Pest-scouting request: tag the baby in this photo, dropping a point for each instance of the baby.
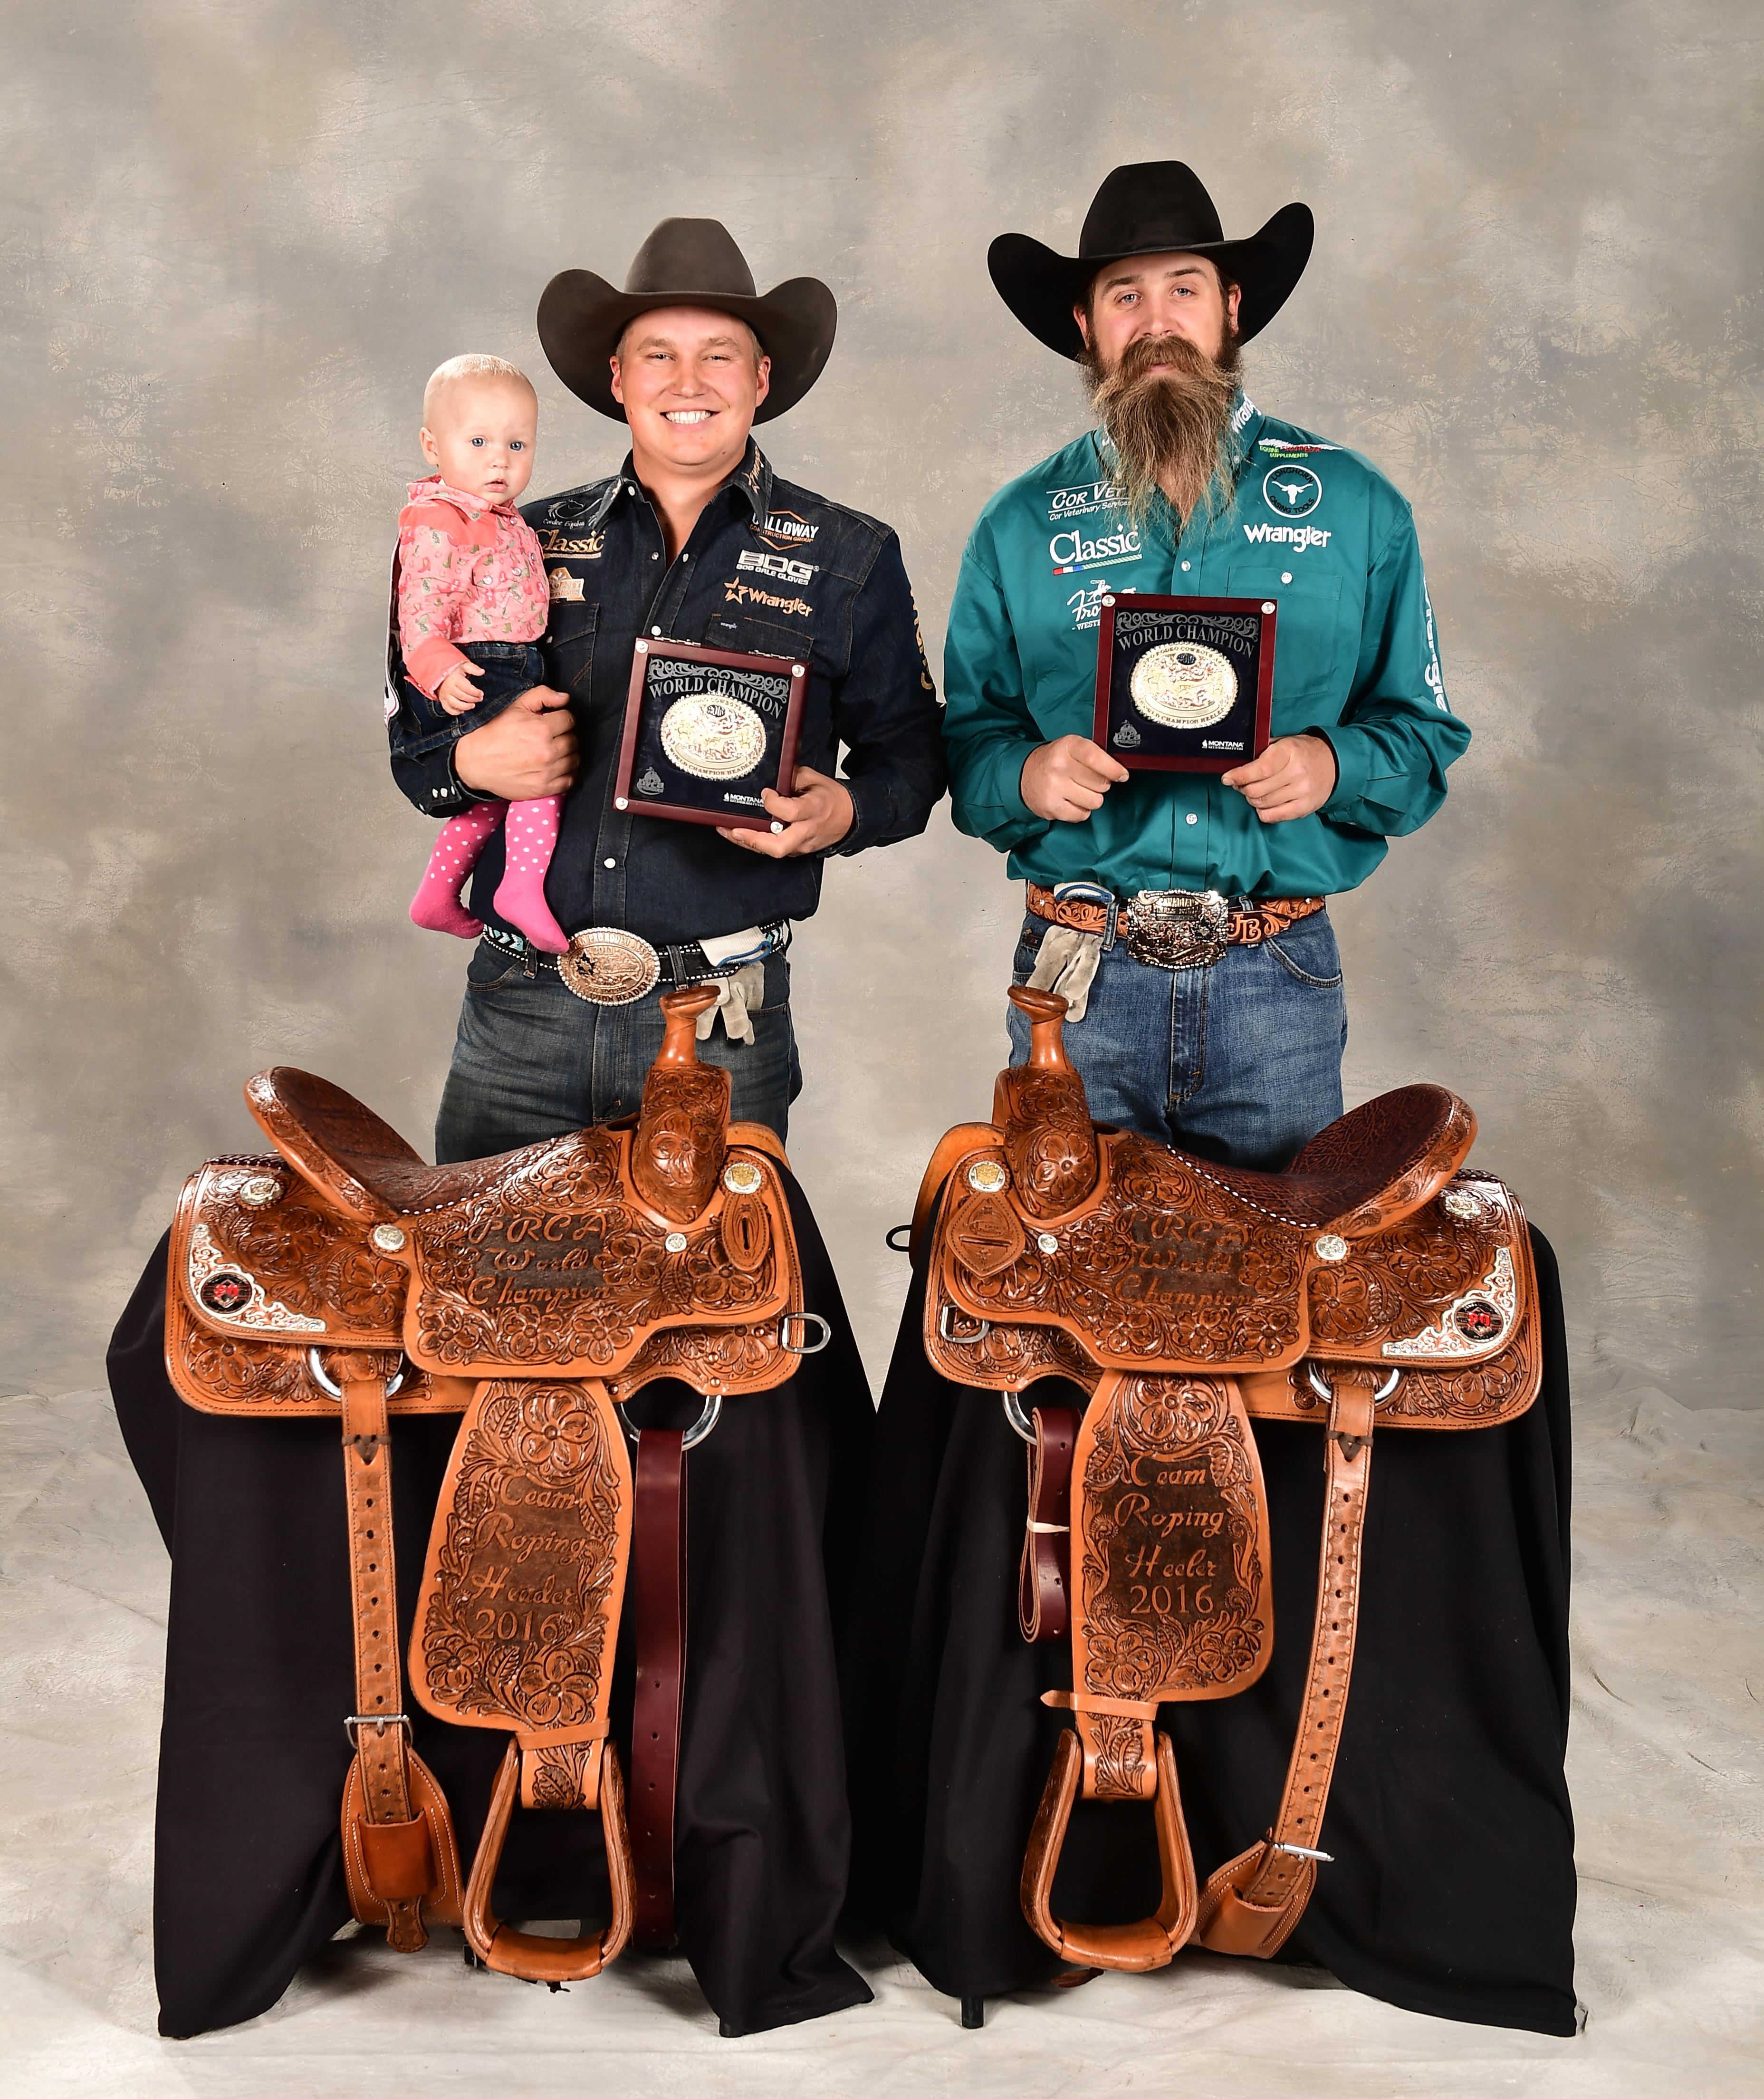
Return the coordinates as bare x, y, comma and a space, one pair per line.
471, 600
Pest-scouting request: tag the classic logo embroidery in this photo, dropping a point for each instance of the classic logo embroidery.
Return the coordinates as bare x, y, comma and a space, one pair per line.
784, 528
1068, 551
778, 566
1298, 537
1088, 497
589, 547
1295, 491
565, 587
734, 593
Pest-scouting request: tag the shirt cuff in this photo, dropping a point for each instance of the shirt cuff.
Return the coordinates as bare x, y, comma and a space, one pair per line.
869, 816
427, 665
456, 795
1353, 751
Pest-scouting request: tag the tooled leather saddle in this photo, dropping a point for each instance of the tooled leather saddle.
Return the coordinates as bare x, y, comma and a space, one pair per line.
1376, 1282
533, 1293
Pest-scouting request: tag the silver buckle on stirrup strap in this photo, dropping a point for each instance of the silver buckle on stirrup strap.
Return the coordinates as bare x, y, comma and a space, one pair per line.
1176, 929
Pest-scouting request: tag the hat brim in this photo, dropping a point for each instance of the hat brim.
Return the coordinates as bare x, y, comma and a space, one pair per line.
581, 318
1041, 288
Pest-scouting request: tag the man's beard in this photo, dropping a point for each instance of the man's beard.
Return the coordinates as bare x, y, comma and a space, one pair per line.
1168, 428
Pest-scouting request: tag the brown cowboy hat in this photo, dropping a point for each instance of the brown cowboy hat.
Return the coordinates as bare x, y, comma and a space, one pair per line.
1152, 208
685, 263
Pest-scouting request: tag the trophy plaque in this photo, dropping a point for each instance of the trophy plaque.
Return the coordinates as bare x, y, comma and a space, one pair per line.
706, 730
1183, 684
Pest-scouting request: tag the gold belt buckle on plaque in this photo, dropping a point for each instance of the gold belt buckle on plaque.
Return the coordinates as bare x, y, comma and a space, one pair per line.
608, 966
1176, 929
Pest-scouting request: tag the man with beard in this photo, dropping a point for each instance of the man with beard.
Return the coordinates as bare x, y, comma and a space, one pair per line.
1228, 1041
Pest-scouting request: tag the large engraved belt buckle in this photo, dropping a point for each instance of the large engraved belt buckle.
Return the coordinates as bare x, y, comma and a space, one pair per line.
1176, 929
608, 966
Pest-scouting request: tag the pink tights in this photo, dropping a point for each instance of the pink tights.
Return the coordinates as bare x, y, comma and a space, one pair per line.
529, 832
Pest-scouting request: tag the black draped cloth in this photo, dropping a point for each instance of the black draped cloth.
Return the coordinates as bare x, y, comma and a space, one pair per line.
259, 1674
1453, 1887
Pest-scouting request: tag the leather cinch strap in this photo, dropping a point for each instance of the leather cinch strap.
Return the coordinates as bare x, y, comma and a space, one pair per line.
1252, 1903
658, 1551
397, 1836
1045, 1580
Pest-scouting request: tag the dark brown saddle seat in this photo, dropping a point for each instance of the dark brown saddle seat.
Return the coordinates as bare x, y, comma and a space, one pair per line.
348, 1154
1374, 1166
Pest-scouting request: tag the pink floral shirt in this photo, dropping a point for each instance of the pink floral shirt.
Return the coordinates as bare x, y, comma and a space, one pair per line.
468, 571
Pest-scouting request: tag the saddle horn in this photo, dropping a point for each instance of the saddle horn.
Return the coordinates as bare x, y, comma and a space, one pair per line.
1041, 1109
677, 1148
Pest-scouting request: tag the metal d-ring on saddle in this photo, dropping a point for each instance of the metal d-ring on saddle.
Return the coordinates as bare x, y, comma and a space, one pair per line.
534, 1293
1375, 1279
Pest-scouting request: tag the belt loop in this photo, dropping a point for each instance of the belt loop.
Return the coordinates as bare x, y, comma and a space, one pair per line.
1114, 912
530, 959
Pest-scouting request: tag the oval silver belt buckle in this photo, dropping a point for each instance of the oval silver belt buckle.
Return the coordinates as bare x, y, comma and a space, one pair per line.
608, 966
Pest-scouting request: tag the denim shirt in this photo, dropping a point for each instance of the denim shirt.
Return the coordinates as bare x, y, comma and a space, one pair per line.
770, 568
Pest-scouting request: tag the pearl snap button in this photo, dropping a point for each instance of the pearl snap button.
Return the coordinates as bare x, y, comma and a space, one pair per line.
1192, 817
608, 863
1285, 576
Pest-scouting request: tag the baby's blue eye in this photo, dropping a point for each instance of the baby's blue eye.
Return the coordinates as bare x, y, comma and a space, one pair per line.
477, 441
515, 445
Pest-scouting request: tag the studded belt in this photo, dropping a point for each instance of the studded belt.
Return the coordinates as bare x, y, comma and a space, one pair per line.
1173, 929
608, 966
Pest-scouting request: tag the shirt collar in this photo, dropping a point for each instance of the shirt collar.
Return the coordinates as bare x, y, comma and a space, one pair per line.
751, 481
432, 487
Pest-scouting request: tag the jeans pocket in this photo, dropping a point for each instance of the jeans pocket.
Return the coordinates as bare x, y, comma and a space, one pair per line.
1307, 952
492, 967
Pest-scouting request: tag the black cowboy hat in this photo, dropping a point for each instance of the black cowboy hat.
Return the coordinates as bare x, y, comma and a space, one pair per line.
685, 263
1153, 208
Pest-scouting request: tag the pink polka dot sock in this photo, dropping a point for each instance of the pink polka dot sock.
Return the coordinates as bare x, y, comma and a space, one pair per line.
436, 905
528, 838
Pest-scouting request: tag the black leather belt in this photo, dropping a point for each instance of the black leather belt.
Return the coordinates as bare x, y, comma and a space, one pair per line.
686, 964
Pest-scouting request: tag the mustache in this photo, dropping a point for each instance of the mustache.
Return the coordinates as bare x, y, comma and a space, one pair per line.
1167, 426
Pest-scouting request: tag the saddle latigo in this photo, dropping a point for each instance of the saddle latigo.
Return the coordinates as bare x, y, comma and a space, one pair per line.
532, 1293
1375, 1281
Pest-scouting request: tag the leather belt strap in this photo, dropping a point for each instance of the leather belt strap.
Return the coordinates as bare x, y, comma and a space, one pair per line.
1044, 1579
1251, 923
395, 1841
1253, 1903
659, 1554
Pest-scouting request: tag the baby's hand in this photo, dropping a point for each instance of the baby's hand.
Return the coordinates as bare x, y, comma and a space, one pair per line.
456, 694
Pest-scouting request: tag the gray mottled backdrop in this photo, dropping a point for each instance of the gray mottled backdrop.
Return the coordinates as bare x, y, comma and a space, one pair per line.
237, 236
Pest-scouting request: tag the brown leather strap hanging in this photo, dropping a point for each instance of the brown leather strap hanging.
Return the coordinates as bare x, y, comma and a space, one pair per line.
1252, 1903
1045, 1580
398, 1838
659, 1555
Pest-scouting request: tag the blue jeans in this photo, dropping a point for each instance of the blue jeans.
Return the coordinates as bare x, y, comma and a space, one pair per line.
510, 669
1240, 1063
531, 1060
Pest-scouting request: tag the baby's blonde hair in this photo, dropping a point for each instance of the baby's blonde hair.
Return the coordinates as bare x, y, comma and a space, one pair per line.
473, 365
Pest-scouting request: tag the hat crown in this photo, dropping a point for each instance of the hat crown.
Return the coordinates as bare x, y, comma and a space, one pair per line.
1150, 208
695, 255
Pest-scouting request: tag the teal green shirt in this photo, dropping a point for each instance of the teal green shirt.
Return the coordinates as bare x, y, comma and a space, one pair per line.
1314, 526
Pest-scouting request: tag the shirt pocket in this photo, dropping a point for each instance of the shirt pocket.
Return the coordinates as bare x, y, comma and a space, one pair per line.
1308, 634
729, 627
568, 638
